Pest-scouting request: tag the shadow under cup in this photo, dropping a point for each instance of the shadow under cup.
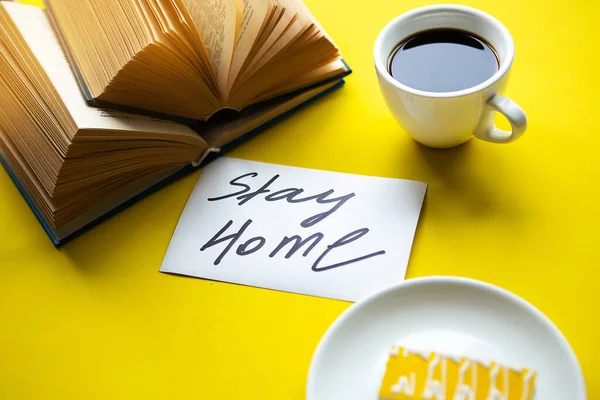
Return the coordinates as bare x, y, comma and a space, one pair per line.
443, 119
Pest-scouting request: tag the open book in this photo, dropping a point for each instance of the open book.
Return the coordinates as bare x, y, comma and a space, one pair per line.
74, 163
190, 58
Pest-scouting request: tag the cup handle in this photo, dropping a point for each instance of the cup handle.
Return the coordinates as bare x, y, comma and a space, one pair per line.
514, 114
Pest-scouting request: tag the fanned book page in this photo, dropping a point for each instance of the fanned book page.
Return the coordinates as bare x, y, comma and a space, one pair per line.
34, 28
191, 58
73, 162
77, 164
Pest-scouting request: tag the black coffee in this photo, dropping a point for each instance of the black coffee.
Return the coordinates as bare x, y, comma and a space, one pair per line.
443, 60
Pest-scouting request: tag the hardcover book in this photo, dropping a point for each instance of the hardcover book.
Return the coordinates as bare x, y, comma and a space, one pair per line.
76, 164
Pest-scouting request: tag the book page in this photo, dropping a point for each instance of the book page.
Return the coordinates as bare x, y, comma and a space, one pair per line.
255, 13
285, 30
219, 22
276, 80
36, 30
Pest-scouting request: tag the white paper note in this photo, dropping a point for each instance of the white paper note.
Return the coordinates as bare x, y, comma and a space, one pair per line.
299, 230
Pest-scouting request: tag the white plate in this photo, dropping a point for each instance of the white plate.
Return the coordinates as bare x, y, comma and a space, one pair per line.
446, 314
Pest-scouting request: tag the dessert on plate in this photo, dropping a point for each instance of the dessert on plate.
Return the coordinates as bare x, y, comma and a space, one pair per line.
414, 374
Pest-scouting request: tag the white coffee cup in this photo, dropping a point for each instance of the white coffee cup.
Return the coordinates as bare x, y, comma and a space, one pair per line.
447, 119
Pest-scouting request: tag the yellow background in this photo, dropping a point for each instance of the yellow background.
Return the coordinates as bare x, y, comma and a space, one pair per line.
96, 320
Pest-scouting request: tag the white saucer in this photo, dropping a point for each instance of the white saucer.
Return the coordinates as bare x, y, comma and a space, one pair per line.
453, 315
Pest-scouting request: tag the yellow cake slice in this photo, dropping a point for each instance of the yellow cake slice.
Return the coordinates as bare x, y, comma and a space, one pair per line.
412, 374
